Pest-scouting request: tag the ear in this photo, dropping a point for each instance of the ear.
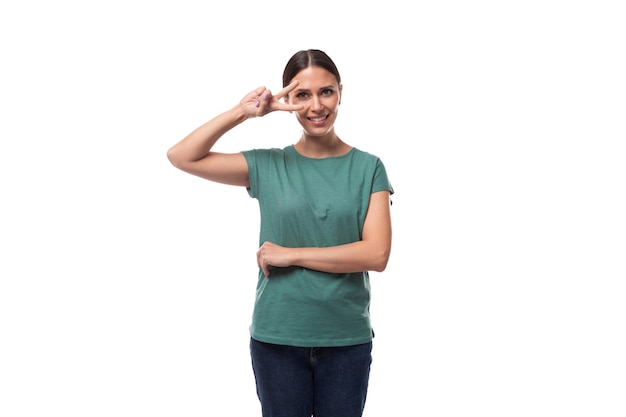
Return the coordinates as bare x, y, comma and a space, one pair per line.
340, 92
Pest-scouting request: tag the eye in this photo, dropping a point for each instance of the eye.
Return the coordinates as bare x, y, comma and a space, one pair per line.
302, 95
328, 92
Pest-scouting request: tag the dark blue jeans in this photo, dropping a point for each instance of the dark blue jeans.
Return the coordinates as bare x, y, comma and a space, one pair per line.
300, 382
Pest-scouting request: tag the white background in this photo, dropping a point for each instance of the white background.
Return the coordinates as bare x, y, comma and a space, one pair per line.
127, 285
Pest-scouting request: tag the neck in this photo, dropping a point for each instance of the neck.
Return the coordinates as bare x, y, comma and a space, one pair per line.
321, 146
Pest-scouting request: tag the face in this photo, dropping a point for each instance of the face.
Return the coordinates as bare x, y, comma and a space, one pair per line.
320, 94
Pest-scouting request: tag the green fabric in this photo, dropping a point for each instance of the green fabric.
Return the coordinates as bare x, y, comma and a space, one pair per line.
311, 202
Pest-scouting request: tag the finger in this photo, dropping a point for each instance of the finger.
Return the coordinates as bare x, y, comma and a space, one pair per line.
266, 270
258, 99
256, 94
289, 107
282, 93
262, 101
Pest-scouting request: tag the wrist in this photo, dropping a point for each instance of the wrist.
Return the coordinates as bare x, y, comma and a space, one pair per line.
238, 114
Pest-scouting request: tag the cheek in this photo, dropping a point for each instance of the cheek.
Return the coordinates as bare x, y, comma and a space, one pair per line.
333, 104
300, 116
335, 109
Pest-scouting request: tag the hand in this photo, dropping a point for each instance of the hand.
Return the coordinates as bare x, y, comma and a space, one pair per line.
270, 254
261, 101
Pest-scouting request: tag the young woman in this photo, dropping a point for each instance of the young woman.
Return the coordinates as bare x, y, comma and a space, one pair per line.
325, 222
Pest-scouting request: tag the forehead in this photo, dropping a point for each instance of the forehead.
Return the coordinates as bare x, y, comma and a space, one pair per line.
315, 77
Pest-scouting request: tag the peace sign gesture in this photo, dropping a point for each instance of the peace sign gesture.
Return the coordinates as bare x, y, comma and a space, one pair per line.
261, 101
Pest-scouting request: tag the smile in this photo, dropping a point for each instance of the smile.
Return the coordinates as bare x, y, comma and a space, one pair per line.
318, 119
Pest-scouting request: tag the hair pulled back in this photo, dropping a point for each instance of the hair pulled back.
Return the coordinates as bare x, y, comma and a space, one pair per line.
309, 58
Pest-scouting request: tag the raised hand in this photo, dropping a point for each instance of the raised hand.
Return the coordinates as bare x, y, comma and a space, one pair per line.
261, 101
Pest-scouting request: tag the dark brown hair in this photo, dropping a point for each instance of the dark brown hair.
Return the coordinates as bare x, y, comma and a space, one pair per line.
309, 58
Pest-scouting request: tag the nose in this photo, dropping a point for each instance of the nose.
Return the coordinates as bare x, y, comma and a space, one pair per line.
317, 104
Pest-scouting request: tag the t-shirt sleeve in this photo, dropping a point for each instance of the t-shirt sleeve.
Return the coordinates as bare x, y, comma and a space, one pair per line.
253, 172
381, 180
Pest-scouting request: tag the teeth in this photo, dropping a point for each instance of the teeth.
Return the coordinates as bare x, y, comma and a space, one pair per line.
317, 119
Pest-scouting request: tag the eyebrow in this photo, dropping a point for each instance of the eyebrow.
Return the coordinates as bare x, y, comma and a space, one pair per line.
328, 87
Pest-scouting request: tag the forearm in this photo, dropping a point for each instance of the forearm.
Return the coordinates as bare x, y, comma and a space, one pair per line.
351, 257
371, 253
199, 143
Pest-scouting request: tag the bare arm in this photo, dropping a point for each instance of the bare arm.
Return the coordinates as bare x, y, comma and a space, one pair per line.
371, 253
194, 153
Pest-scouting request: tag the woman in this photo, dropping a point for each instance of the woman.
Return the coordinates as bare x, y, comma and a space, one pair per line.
325, 222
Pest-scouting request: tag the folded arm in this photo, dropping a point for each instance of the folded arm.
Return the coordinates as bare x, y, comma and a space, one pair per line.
371, 253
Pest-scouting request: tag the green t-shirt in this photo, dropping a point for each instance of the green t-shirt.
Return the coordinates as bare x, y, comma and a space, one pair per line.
312, 202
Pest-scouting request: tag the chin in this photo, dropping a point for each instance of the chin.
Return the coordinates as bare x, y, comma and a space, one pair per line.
318, 132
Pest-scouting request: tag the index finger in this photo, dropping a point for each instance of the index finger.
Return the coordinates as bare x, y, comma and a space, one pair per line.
282, 93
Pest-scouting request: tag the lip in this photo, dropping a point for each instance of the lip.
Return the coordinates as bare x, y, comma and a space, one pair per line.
318, 120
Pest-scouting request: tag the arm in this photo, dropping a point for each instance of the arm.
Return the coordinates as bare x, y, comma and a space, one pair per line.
194, 153
371, 253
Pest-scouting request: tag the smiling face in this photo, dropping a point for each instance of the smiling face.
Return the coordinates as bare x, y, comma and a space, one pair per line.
320, 94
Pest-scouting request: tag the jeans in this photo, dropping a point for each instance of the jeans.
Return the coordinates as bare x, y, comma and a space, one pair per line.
320, 381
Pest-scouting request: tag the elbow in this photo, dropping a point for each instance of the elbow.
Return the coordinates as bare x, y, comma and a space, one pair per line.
379, 262
379, 267
174, 158
171, 156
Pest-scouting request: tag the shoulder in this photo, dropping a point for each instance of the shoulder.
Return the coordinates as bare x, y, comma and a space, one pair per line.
365, 157
363, 154
374, 165
267, 152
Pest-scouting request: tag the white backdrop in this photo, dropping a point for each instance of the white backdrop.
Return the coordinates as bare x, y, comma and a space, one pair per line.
127, 286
